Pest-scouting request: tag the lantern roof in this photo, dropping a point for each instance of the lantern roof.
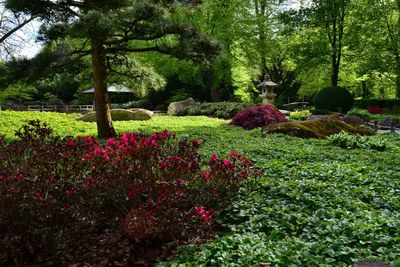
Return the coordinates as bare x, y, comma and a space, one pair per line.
267, 82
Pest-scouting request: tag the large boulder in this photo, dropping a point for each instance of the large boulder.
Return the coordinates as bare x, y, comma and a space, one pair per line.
175, 107
136, 114
319, 129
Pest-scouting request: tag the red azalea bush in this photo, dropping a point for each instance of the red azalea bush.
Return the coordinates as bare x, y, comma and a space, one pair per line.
375, 109
258, 116
52, 189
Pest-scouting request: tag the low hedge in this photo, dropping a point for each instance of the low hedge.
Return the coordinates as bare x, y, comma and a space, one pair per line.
383, 103
223, 110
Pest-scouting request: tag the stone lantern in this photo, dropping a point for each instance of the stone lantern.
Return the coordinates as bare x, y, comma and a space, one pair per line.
267, 90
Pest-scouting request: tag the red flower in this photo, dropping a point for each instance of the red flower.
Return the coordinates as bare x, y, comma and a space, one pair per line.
234, 154
69, 192
38, 195
90, 181
71, 143
132, 192
196, 143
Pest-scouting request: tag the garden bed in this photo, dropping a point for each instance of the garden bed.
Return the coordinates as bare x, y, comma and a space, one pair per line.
314, 204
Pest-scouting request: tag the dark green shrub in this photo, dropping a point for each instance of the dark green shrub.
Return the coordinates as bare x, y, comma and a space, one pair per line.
383, 103
137, 104
336, 99
223, 110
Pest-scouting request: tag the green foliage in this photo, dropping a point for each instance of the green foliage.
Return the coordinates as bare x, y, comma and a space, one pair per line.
223, 110
347, 141
300, 115
17, 92
334, 99
314, 206
362, 113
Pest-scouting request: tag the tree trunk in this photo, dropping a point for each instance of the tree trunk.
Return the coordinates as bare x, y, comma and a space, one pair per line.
335, 74
105, 127
398, 79
261, 9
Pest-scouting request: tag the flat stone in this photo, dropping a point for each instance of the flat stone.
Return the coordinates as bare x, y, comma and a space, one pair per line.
285, 112
371, 263
136, 114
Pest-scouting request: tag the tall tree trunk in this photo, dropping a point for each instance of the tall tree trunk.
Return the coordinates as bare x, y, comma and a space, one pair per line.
105, 127
261, 13
398, 80
335, 71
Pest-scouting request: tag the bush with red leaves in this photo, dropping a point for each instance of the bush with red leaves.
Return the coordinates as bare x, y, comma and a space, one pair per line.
156, 186
375, 109
258, 116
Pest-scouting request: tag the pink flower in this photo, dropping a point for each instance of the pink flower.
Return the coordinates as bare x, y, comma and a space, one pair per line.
227, 162
89, 139
214, 157
206, 175
204, 215
111, 142
246, 161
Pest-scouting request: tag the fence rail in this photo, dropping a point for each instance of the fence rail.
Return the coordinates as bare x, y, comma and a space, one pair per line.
53, 108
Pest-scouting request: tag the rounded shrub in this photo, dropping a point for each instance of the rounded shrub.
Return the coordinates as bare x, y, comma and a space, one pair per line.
334, 99
258, 116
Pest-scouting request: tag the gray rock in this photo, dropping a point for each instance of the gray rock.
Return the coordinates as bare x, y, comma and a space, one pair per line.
285, 112
318, 117
175, 107
136, 114
352, 119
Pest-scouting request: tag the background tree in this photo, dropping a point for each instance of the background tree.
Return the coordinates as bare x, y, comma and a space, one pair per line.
116, 27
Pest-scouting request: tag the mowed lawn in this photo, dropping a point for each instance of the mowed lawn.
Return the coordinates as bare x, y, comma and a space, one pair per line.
314, 204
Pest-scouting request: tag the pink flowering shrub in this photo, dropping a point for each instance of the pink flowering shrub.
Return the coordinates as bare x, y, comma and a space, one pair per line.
258, 116
52, 189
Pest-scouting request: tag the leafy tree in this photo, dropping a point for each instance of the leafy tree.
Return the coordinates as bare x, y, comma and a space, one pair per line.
17, 92
117, 27
10, 23
378, 25
332, 16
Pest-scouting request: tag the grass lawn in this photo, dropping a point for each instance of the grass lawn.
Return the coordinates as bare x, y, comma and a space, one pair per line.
314, 205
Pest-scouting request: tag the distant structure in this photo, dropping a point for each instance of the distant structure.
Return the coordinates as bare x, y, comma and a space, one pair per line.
267, 90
